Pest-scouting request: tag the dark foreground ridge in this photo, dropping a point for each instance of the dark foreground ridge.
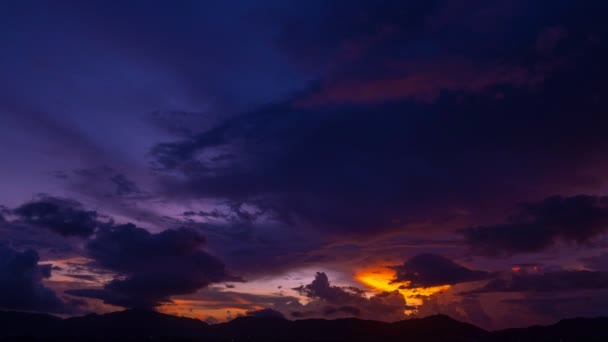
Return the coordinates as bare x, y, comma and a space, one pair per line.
151, 325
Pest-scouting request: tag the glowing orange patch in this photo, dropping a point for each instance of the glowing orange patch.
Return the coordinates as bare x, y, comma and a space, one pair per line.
240, 300
379, 279
199, 309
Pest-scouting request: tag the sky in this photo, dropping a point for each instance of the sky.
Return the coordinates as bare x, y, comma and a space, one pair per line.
310, 159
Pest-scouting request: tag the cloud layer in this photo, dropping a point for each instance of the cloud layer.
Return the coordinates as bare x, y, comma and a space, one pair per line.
426, 270
539, 225
151, 267
62, 216
21, 283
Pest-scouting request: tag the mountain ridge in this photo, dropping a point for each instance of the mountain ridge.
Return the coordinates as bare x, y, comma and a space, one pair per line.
149, 324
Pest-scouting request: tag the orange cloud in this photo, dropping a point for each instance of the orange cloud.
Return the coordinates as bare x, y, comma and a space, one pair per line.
379, 279
200, 309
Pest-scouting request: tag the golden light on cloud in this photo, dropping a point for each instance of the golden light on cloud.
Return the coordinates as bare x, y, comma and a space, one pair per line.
379, 279
203, 309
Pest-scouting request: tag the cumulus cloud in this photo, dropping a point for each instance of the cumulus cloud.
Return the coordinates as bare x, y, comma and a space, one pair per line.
537, 226
151, 267
426, 270
335, 301
21, 283
62, 216
321, 288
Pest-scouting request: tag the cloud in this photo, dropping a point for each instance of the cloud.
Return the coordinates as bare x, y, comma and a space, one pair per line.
105, 181
151, 267
366, 30
47, 243
215, 298
560, 281
425, 82
124, 186
596, 263
62, 216
4, 211
336, 301
381, 58
348, 310
364, 168
21, 283
462, 308
426, 270
537, 226
558, 306
321, 288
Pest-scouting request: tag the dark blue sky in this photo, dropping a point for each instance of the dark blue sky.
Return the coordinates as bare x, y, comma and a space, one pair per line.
210, 157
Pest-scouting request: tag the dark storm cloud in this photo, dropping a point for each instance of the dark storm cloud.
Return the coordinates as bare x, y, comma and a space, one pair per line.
151, 267
538, 225
381, 51
62, 216
361, 168
331, 300
47, 243
426, 270
21, 283
559, 281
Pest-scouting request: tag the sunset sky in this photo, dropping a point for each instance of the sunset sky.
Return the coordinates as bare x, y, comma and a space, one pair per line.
320, 158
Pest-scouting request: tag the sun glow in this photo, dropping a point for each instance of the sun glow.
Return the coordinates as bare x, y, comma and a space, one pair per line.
203, 309
379, 279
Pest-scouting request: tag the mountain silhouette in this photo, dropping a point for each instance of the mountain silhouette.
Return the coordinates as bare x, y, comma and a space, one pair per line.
137, 324
132, 323
576, 329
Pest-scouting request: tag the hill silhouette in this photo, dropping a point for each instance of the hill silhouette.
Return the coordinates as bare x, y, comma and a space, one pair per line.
146, 324
576, 329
